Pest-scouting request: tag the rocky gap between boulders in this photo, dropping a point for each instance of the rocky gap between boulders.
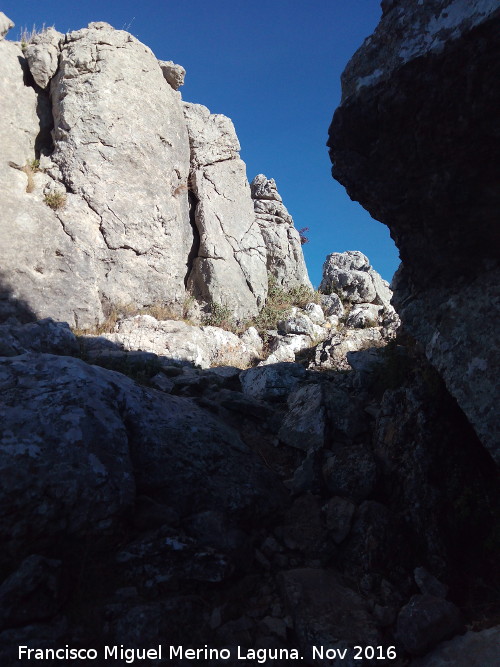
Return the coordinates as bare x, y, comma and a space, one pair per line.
315, 481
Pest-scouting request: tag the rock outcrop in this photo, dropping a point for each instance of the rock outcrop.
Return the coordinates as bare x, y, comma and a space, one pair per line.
361, 316
160, 484
230, 263
285, 260
102, 208
415, 142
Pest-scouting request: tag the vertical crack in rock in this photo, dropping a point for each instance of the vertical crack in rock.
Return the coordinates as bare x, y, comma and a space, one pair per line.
224, 218
195, 248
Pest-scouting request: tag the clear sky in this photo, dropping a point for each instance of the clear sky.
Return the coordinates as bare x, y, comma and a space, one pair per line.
272, 66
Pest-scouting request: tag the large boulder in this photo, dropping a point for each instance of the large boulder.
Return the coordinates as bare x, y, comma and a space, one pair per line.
78, 442
42, 54
425, 621
105, 223
349, 275
415, 142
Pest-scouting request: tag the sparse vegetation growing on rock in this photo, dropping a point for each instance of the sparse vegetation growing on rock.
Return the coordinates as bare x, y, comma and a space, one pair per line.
55, 200
26, 35
220, 316
279, 301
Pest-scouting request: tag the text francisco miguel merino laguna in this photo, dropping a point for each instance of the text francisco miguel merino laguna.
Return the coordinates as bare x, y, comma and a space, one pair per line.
130, 655
261, 655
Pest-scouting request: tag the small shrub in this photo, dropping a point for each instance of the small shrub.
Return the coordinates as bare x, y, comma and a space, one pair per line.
187, 306
26, 35
33, 165
55, 200
220, 316
302, 234
279, 301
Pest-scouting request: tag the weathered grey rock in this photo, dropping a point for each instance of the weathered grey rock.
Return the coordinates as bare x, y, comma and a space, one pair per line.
438, 203
124, 235
425, 621
40, 635
303, 529
461, 342
299, 323
304, 423
73, 424
173, 73
230, 264
305, 477
204, 346
284, 348
473, 649
347, 418
350, 472
96, 422
5, 25
375, 543
417, 30
347, 275
326, 613
332, 305
382, 289
315, 313
144, 226
42, 54
28, 266
31, 593
363, 316
171, 557
250, 337
274, 382
332, 353
285, 259
42, 336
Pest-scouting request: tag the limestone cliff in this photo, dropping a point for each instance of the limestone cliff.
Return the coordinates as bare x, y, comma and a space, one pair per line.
134, 197
415, 141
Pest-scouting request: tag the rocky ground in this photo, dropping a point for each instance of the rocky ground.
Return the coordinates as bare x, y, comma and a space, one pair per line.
329, 494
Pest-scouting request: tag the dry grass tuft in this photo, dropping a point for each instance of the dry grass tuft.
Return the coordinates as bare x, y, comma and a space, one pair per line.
55, 200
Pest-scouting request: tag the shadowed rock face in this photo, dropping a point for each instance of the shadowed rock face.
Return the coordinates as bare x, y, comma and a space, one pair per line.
414, 141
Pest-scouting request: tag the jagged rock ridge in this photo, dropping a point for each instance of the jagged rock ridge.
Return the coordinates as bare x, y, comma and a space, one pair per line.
150, 197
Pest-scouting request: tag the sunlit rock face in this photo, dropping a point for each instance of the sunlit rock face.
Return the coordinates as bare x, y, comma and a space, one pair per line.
285, 260
115, 192
414, 141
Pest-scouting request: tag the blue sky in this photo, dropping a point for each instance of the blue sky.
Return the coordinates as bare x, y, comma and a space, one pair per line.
273, 67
